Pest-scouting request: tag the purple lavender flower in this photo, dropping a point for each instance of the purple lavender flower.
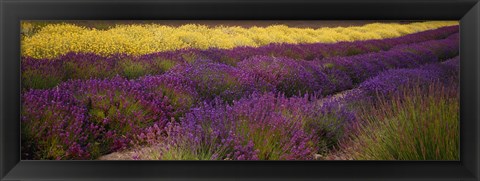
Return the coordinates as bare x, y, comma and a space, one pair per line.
180, 91
54, 126
289, 76
391, 81
214, 79
121, 108
41, 74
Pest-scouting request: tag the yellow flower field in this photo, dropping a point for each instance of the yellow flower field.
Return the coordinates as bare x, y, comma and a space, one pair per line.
59, 39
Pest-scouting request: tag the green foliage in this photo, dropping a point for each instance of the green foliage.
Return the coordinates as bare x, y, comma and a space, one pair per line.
35, 80
132, 70
165, 65
418, 125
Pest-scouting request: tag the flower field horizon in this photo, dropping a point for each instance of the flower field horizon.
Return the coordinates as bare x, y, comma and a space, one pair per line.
196, 92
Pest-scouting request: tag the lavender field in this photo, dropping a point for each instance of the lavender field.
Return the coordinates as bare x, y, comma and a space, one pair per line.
380, 91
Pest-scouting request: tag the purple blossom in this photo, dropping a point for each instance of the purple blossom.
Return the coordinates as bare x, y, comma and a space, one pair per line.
292, 77
54, 122
120, 108
179, 90
214, 79
392, 80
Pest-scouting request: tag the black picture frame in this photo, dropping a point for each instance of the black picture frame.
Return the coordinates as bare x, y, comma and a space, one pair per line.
12, 11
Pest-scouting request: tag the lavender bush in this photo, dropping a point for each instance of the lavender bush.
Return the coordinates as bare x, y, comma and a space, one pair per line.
55, 126
120, 108
179, 90
389, 81
214, 79
291, 77
422, 123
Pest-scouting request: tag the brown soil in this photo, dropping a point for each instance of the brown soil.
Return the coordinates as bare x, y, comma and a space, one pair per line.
123, 155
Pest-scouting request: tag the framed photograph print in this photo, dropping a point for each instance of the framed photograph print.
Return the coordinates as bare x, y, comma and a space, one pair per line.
239, 90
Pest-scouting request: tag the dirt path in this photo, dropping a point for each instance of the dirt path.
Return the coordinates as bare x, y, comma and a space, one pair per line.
127, 154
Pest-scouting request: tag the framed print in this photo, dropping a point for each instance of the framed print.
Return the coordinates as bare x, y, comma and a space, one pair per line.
247, 90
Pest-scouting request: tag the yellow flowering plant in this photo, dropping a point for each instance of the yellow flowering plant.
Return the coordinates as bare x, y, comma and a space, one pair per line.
58, 39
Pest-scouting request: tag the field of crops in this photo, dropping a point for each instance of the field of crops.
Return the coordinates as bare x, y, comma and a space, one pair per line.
380, 91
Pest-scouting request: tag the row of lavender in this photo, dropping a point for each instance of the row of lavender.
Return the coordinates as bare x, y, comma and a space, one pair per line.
84, 119
46, 73
272, 127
